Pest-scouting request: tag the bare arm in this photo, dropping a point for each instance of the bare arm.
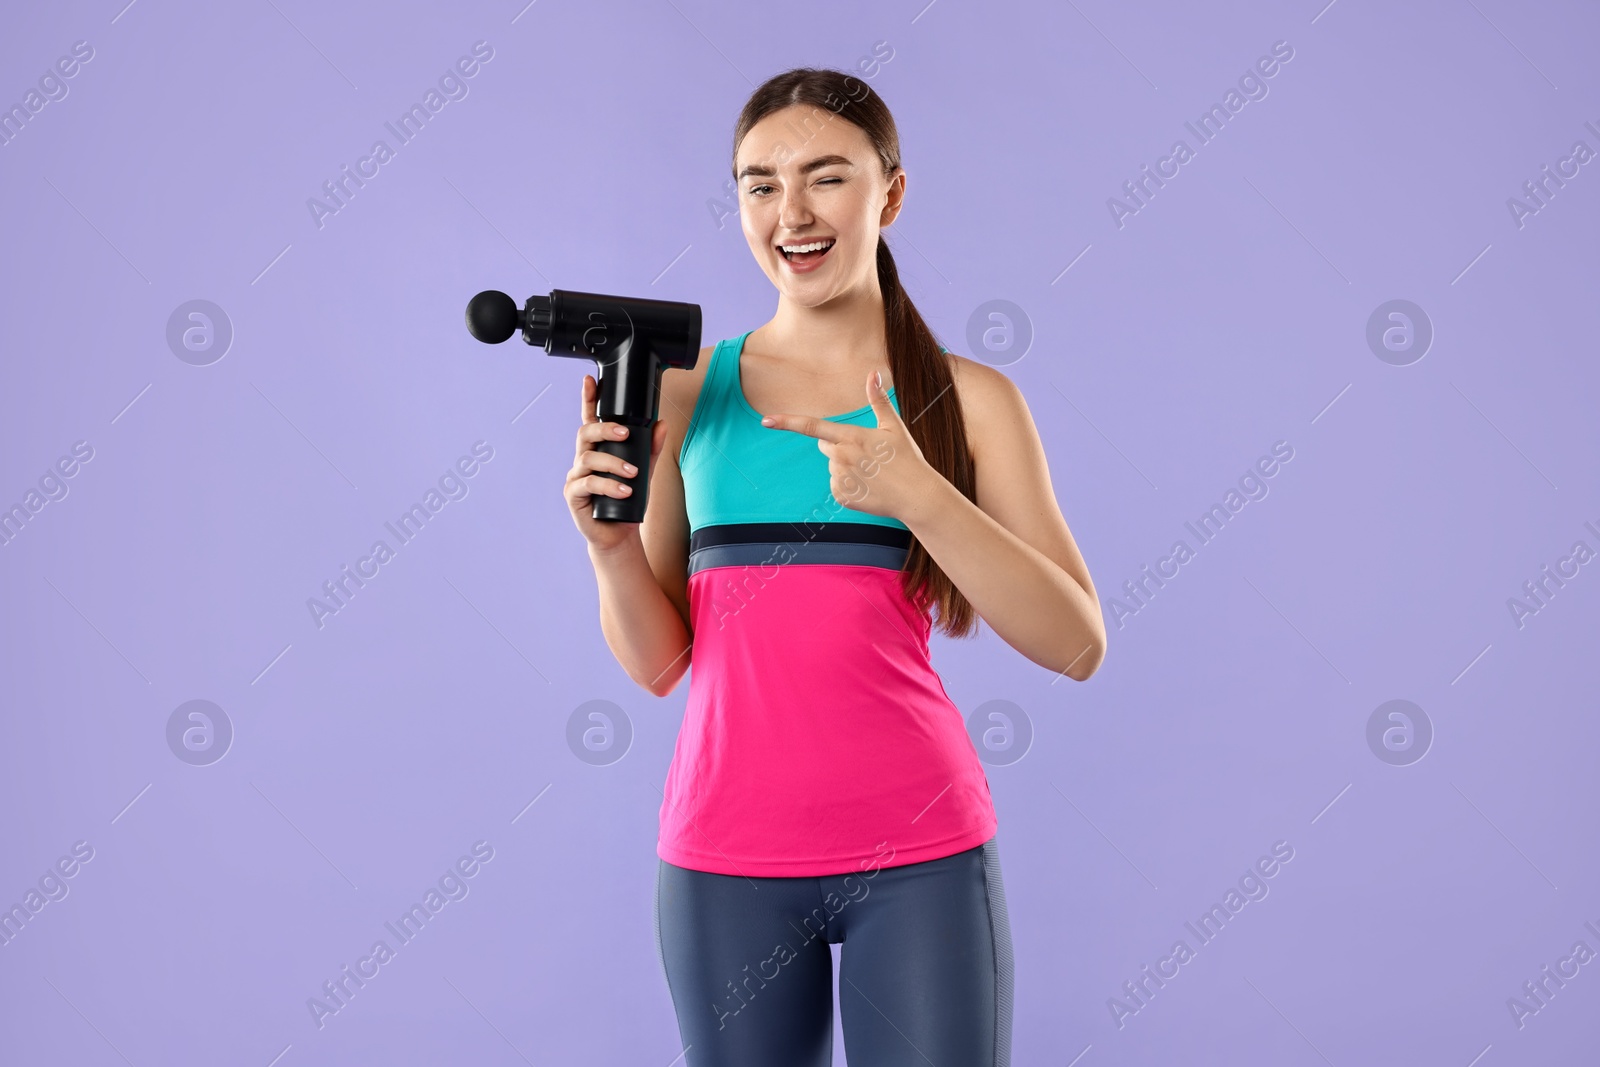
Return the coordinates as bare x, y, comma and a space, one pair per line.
643, 600
642, 571
1011, 553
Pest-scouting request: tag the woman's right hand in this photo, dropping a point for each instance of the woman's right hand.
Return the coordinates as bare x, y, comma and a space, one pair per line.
583, 485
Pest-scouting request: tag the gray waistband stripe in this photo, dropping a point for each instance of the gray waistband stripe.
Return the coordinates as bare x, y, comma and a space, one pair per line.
816, 552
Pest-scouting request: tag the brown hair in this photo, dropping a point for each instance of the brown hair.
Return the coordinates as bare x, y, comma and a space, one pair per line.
922, 375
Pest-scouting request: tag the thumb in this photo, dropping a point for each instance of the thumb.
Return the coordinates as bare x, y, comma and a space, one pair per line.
878, 397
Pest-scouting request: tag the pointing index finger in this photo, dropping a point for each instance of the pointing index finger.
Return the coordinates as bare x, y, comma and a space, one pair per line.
810, 425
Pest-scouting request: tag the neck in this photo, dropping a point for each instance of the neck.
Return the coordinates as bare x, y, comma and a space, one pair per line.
845, 333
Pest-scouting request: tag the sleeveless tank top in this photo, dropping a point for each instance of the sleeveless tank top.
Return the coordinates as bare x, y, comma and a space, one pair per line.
817, 738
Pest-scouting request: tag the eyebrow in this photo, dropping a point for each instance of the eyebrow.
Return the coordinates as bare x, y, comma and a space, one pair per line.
761, 171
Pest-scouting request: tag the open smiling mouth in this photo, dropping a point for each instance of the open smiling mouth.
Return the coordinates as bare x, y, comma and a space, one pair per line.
813, 254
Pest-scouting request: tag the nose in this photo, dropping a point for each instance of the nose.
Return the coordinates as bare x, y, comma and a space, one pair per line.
795, 211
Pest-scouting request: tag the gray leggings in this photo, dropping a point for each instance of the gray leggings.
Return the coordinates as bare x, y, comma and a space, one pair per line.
925, 968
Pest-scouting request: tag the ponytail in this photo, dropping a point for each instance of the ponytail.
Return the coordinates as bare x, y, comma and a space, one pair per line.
925, 388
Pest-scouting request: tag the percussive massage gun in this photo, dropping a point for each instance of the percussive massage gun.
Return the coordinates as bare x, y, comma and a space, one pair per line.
631, 341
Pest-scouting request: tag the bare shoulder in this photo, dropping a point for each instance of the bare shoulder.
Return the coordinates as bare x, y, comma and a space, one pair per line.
680, 390
991, 403
1012, 469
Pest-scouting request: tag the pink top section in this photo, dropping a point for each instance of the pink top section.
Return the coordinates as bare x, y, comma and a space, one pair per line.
817, 739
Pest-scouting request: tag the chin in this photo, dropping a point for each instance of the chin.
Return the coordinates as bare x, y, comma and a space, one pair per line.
808, 292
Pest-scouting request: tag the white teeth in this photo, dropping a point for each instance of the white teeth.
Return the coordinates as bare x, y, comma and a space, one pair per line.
814, 246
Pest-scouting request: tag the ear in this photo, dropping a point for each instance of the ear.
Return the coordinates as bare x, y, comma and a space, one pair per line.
894, 199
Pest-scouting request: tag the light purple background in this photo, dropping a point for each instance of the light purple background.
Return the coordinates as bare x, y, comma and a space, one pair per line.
1228, 314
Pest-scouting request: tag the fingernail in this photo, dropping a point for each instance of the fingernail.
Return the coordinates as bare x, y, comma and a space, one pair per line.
766, 420
629, 468
878, 374
621, 431
627, 489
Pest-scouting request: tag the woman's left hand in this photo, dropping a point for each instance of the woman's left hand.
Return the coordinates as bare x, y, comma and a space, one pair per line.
878, 470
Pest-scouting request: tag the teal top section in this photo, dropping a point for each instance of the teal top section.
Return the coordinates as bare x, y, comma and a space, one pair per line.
737, 470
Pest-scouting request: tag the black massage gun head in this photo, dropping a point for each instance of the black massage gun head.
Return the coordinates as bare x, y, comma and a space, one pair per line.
616, 332
492, 317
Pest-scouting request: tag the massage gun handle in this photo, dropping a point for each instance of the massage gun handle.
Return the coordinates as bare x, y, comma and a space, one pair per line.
635, 449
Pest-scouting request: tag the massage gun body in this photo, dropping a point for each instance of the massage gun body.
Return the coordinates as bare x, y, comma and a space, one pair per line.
631, 340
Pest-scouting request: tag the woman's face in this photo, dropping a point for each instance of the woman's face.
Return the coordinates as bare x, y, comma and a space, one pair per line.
805, 175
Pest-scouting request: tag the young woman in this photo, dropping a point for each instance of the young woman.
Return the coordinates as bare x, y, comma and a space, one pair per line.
824, 789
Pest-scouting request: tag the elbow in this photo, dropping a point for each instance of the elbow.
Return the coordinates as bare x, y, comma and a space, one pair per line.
663, 683
1082, 674
1086, 660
